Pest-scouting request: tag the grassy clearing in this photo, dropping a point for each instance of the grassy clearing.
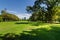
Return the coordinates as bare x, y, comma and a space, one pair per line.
29, 31
11, 27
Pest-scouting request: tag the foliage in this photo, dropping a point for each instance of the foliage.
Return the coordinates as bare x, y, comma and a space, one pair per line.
44, 13
8, 17
22, 23
1, 18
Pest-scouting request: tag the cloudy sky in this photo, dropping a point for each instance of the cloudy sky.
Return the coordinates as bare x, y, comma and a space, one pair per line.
17, 7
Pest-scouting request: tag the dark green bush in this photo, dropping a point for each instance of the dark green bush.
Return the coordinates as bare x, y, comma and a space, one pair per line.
22, 23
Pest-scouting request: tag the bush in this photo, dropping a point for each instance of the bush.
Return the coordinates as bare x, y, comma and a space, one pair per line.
22, 23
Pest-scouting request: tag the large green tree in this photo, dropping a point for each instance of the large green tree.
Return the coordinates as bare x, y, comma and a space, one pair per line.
44, 13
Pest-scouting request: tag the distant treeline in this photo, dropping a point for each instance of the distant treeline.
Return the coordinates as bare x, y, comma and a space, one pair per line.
5, 16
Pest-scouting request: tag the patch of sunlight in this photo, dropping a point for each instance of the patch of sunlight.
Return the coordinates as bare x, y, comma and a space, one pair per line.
45, 26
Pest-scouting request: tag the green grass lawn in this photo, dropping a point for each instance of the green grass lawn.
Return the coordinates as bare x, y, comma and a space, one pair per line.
30, 31
11, 27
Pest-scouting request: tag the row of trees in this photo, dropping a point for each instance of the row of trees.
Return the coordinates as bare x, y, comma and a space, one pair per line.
5, 16
47, 13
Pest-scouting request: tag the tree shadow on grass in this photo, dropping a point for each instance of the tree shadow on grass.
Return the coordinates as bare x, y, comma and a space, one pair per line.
9, 36
21, 23
30, 23
35, 34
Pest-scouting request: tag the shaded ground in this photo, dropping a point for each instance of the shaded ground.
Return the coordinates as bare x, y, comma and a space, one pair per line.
35, 34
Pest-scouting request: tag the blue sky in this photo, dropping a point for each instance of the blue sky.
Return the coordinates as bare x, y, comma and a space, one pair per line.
16, 6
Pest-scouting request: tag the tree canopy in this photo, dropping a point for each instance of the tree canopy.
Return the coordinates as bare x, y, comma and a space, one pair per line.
5, 16
43, 13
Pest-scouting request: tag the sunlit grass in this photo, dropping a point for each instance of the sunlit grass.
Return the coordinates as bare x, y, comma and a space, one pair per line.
11, 27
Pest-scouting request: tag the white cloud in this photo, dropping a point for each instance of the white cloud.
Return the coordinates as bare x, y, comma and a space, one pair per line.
13, 12
23, 15
20, 15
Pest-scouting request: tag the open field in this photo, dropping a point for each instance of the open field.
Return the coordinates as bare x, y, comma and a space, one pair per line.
12, 27
29, 31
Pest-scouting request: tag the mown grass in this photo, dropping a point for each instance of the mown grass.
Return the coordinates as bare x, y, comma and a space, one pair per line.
14, 27
29, 31
11, 27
